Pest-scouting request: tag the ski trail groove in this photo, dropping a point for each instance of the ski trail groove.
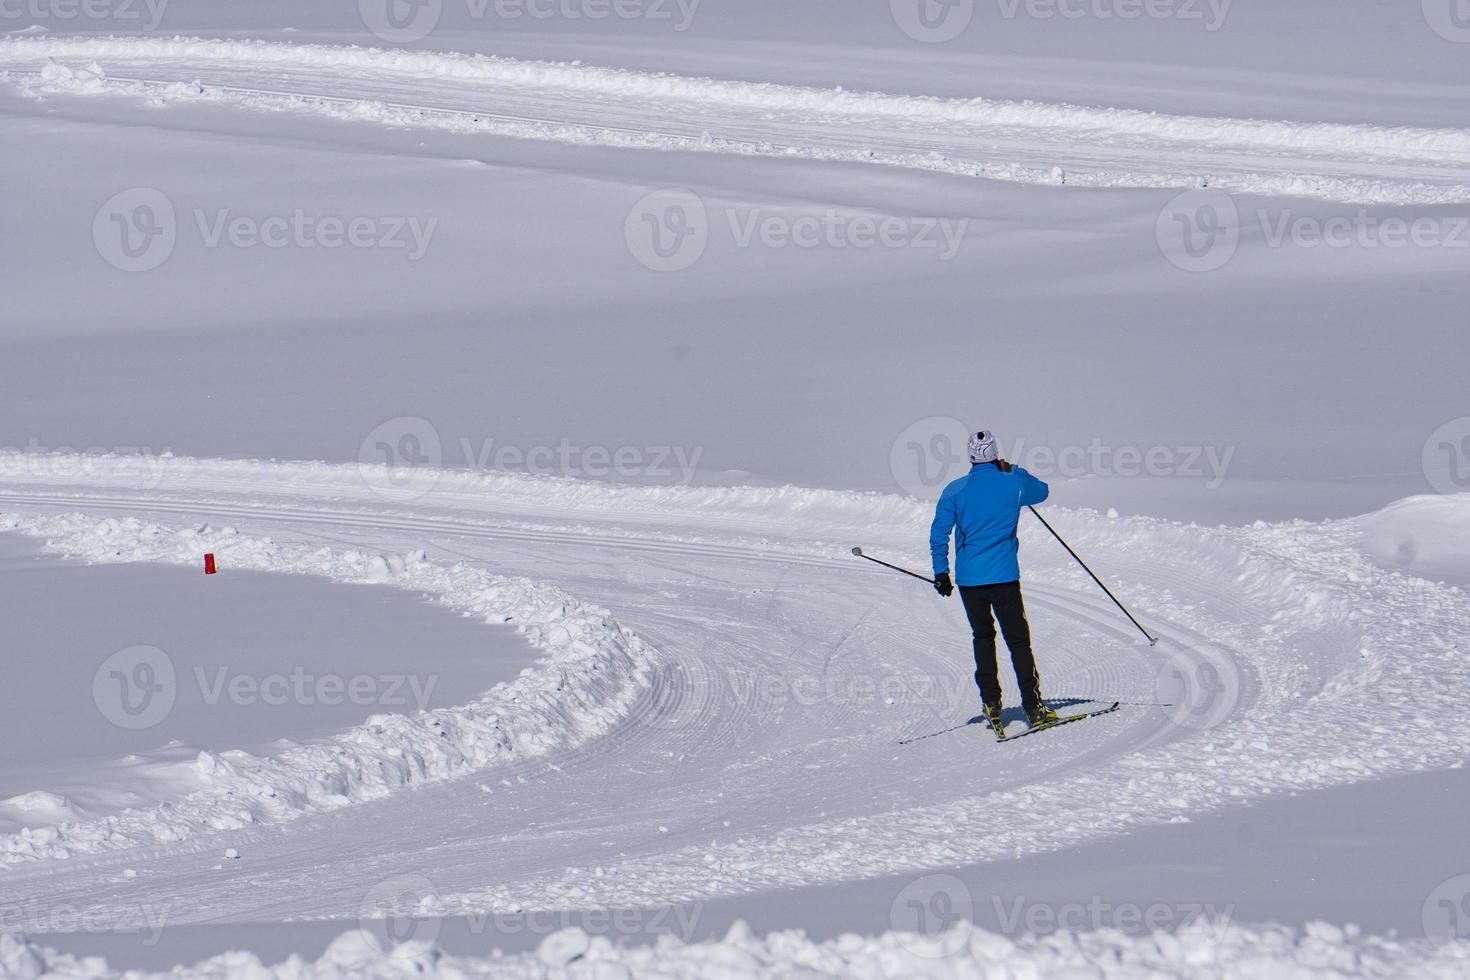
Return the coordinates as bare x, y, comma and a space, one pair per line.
1028, 142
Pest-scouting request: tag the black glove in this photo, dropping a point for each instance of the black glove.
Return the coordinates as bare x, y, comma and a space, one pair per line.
943, 585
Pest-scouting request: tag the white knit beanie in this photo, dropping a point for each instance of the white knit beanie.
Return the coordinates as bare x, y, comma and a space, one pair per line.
982, 447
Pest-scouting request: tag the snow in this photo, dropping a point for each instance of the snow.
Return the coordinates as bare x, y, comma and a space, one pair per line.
1321, 951
523, 99
1429, 536
1337, 636
592, 671
724, 711
327, 658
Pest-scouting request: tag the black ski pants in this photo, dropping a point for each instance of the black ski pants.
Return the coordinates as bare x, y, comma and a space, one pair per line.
984, 605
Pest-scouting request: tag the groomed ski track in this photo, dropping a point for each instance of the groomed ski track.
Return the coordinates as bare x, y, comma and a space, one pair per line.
764, 751
1026, 142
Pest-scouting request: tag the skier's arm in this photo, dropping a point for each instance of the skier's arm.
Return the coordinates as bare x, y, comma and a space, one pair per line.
939, 531
1033, 491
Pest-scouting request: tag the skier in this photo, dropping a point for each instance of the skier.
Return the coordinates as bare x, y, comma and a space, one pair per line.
983, 509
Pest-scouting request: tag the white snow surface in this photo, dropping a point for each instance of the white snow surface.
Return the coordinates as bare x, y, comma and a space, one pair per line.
1320, 952
1027, 142
592, 671
1339, 635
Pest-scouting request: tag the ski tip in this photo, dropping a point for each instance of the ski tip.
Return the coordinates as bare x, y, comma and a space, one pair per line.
858, 552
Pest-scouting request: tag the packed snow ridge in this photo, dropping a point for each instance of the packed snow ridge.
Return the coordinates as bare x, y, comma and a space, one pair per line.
1029, 142
1311, 606
592, 673
1206, 950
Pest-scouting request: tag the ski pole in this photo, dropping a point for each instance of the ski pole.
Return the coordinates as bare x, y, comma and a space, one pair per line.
921, 578
1152, 640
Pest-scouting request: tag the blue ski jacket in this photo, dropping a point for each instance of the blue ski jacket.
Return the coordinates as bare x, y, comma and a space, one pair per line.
983, 509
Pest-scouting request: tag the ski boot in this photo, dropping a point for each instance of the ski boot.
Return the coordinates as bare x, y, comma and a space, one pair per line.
1040, 716
991, 713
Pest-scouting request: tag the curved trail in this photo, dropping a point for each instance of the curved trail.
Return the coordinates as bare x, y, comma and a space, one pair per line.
785, 684
766, 750
1025, 142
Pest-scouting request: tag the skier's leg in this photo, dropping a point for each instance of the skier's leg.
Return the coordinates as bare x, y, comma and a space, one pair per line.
987, 674
1010, 609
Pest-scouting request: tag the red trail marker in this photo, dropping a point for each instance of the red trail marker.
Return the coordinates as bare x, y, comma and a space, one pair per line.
209, 568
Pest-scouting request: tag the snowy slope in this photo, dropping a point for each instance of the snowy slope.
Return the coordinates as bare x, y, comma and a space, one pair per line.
817, 711
728, 709
1026, 142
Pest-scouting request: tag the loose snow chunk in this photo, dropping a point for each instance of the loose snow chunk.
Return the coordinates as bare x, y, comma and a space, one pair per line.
563, 946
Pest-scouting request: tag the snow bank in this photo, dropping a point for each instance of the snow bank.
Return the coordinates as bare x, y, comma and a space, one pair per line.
1358, 163
1320, 951
1313, 644
1426, 533
1450, 145
593, 672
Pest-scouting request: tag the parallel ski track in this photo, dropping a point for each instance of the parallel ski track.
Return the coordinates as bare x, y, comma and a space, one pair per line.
740, 742
1038, 144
